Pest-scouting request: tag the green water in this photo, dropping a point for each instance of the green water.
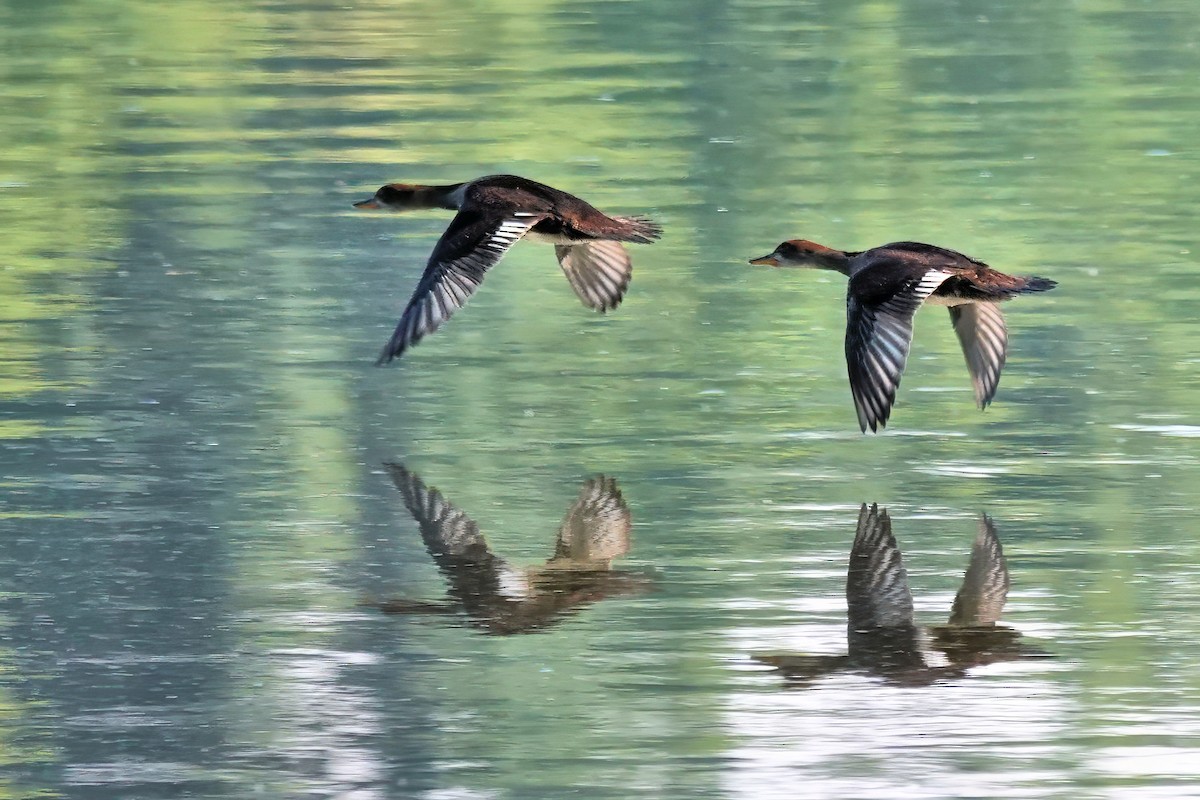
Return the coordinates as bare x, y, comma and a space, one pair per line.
198, 529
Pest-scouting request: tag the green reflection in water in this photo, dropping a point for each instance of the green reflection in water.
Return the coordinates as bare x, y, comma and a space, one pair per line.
175, 192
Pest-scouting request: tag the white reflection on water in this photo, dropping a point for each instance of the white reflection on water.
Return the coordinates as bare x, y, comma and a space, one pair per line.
325, 723
127, 773
1148, 761
856, 737
459, 793
1186, 431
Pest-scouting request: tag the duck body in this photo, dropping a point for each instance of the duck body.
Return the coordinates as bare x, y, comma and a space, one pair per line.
887, 286
880, 272
494, 212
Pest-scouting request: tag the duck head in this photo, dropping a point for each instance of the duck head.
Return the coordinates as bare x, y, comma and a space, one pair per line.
800, 253
398, 197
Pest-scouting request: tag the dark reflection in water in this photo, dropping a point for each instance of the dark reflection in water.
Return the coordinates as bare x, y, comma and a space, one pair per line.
502, 599
882, 637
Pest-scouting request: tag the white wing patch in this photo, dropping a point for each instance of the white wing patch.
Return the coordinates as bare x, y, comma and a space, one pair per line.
506, 235
930, 282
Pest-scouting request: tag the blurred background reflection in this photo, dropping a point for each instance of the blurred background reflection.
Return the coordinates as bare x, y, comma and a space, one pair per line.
192, 507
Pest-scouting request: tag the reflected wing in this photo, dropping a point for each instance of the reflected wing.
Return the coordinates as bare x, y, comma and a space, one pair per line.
984, 338
877, 593
444, 529
598, 271
878, 335
477, 575
471, 246
985, 586
597, 525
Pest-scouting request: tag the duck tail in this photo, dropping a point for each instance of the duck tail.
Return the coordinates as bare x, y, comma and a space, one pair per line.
640, 230
1035, 284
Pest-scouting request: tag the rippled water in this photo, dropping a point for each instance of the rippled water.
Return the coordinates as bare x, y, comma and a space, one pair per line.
217, 516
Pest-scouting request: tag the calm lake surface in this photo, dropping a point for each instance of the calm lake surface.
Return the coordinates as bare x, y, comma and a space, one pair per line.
217, 516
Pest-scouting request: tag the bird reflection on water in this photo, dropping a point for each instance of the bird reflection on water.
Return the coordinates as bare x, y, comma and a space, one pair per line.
882, 638
502, 599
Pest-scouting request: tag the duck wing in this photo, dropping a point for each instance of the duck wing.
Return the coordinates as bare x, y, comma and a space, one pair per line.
984, 339
477, 576
473, 244
877, 593
597, 270
879, 313
984, 589
597, 525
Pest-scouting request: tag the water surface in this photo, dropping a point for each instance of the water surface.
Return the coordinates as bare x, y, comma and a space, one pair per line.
200, 525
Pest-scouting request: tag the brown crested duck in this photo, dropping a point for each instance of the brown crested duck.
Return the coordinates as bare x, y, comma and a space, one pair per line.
887, 286
493, 213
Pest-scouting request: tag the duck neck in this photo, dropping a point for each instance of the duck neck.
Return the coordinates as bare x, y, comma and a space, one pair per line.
449, 196
836, 260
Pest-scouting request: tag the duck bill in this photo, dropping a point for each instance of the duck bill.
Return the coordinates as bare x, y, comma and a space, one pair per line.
369, 203
766, 261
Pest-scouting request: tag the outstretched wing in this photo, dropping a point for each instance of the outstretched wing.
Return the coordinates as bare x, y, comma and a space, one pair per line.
877, 593
471, 246
598, 271
878, 335
984, 589
984, 338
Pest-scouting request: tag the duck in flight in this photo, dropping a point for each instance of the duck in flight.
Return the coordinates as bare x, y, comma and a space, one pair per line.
493, 213
887, 286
